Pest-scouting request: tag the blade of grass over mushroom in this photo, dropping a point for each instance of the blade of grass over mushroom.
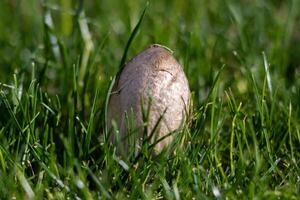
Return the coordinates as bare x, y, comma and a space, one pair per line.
145, 115
132, 36
123, 60
156, 126
109, 91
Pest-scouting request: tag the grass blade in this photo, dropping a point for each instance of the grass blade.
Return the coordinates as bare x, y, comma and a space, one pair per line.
132, 36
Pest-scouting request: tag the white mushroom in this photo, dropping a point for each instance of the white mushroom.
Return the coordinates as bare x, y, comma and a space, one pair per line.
152, 76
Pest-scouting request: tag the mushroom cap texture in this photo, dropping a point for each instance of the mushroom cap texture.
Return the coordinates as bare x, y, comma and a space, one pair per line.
153, 76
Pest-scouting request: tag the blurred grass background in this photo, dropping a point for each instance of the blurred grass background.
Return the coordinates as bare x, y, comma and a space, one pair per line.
57, 58
204, 35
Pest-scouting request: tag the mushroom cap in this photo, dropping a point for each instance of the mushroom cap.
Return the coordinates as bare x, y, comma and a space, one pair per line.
153, 78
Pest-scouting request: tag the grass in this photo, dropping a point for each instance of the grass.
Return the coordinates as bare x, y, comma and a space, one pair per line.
58, 59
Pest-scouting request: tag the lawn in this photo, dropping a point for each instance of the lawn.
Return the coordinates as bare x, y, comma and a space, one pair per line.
58, 59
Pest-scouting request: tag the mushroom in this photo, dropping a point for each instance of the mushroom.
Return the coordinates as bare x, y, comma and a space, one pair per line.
155, 80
